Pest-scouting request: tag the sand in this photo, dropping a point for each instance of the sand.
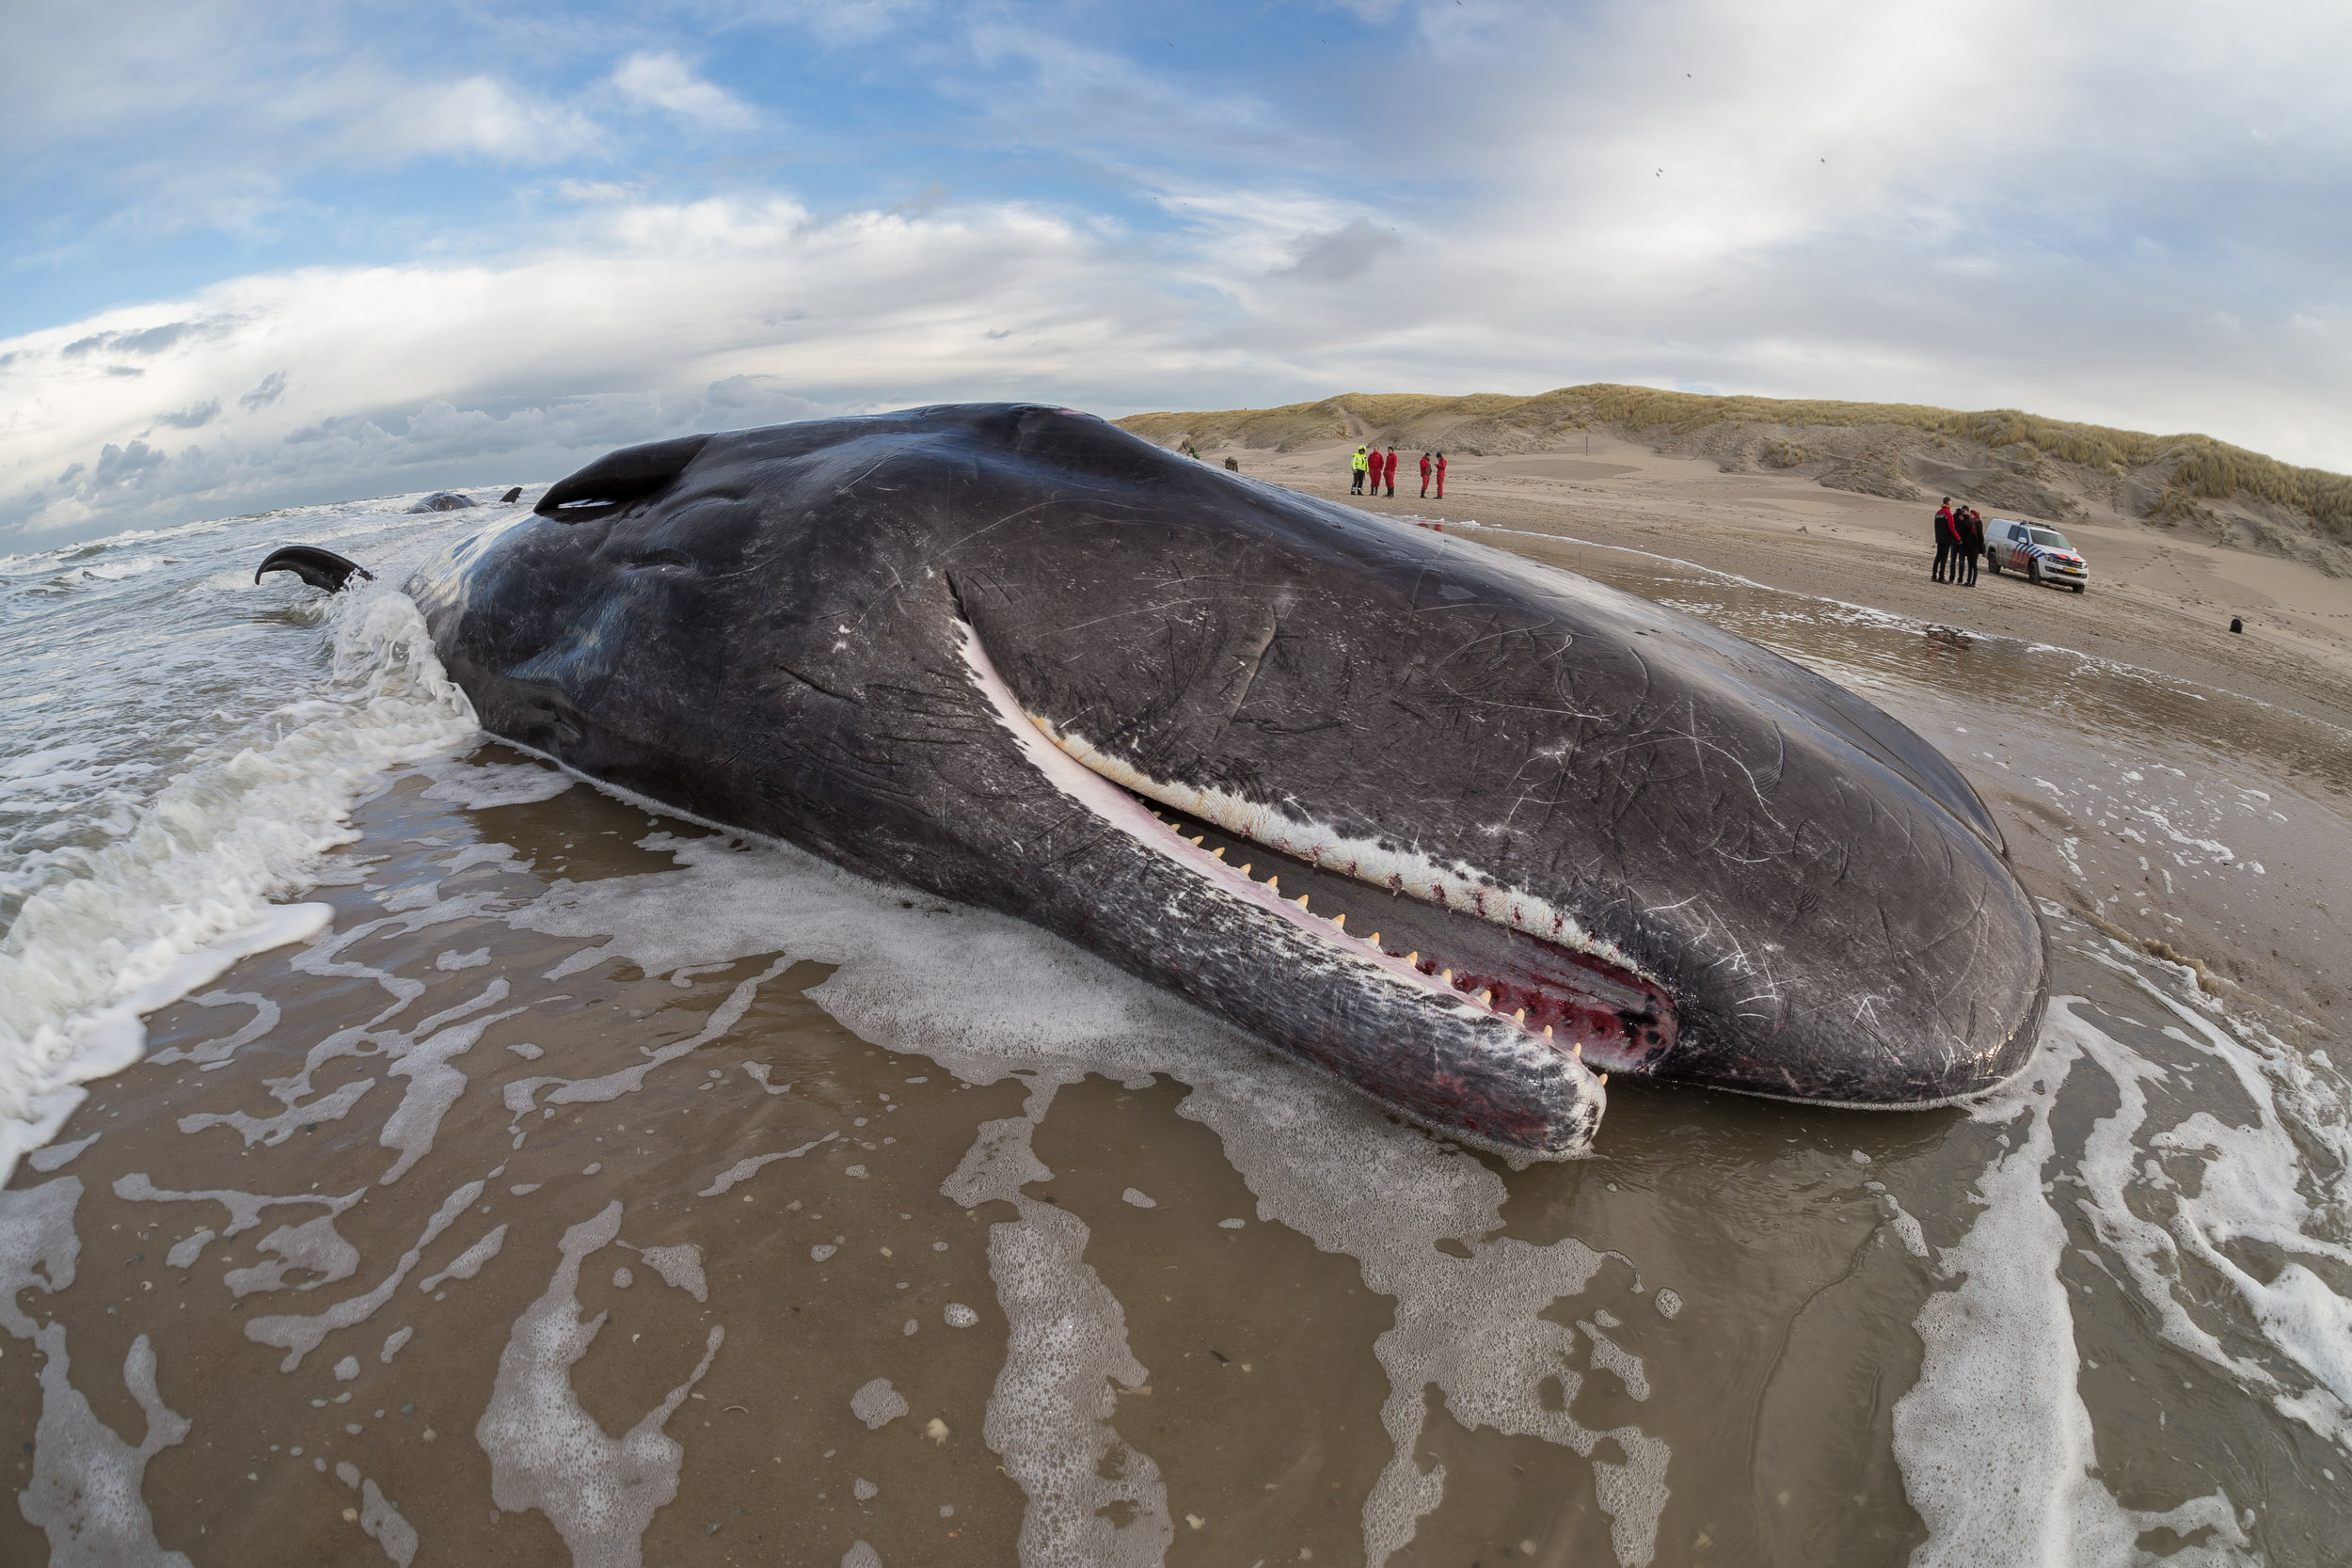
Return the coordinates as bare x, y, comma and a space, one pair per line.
2160, 598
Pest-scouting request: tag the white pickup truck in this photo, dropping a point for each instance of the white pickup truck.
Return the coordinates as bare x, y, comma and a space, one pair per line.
2040, 554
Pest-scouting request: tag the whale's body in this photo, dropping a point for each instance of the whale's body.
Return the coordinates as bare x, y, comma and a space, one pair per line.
1019, 658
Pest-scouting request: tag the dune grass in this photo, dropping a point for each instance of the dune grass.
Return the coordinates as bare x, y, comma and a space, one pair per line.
2200, 468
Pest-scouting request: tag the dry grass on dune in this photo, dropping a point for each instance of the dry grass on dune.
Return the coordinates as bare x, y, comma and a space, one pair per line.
2014, 457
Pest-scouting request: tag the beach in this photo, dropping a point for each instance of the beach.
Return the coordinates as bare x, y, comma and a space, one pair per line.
571, 1181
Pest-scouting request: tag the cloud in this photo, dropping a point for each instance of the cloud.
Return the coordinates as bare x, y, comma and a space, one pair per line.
662, 81
152, 340
273, 387
1341, 254
714, 314
595, 190
195, 416
478, 115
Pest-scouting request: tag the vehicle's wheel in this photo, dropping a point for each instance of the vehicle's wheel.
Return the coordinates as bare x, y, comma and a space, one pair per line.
2079, 588
2033, 573
1992, 564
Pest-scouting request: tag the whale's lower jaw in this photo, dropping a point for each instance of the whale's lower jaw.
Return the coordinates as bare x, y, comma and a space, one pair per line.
1490, 1051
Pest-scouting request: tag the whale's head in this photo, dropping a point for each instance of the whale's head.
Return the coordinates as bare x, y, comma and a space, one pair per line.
1450, 824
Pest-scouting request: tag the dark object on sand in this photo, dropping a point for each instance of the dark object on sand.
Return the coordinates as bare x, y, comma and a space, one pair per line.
1016, 656
443, 501
2236, 624
1232, 466
511, 497
319, 568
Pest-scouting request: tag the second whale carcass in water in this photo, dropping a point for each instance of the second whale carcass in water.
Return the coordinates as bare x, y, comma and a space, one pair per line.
1462, 830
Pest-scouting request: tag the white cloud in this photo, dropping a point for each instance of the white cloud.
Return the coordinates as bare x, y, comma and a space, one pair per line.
714, 314
476, 115
1341, 254
662, 81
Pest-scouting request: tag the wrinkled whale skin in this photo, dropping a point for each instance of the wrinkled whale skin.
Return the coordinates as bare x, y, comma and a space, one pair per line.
776, 629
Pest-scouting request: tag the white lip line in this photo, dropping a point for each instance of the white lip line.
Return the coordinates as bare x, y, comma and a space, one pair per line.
1120, 808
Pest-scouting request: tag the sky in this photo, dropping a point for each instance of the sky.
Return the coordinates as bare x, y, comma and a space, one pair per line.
256, 255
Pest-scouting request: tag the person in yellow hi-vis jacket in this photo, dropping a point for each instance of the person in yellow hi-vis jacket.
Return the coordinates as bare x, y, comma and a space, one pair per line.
1362, 461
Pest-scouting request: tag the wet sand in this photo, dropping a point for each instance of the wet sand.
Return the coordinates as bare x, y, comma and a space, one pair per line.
1140, 1292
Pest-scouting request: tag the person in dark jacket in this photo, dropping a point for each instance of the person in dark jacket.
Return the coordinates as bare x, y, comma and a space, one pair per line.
1971, 542
1945, 539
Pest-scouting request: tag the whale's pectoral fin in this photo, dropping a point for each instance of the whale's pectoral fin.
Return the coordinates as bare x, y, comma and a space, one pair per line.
616, 479
319, 568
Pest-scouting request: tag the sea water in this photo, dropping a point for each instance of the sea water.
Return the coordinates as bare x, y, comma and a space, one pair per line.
418, 1152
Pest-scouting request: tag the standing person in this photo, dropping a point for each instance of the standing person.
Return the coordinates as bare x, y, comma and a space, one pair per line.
1425, 476
1441, 476
1972, 541
1356, 488
1943, 541
1388, 467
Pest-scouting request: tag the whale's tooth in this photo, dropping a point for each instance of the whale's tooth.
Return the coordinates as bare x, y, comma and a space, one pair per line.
1196, 843
1218, 851
1244, 868
1413, 958
1273, 882
1602, 1076
1486, 999
1519, 1017
1447, 977
1577, 1050
1340, 920
1302, 900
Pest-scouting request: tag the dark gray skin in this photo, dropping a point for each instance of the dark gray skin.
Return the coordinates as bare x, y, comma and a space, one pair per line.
766, 628
322, 569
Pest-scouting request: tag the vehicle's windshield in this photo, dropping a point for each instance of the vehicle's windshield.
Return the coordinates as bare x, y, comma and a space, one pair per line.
2051, 537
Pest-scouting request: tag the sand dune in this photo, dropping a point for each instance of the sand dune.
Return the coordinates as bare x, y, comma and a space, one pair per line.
2192, 486
2164, 587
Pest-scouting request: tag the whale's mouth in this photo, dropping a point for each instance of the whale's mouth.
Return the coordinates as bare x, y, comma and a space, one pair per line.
1613, 1017
1443, 929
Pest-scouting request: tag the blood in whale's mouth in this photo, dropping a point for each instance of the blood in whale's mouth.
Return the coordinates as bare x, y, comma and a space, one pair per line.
1579, 1001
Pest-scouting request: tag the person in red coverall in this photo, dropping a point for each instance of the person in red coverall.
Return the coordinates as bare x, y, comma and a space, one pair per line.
1388, 469
1441, 476
1425, 476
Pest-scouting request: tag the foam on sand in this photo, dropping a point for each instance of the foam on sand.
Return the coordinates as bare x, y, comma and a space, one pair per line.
548, 1452
86, 1484
1994, 1439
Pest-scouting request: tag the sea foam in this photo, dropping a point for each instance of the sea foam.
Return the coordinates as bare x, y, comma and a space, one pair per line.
169, 905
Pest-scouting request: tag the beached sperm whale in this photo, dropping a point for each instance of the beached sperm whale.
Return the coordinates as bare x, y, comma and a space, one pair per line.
1451, 826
